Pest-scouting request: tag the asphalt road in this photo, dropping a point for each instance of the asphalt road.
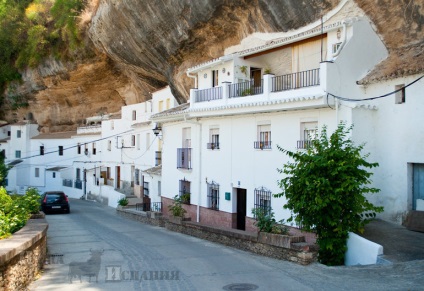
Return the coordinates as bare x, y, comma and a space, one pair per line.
128, 255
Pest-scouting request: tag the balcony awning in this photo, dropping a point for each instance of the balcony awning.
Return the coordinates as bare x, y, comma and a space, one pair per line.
154, 171
15, 162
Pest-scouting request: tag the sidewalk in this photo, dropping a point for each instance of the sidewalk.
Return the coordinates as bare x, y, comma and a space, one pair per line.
399, 244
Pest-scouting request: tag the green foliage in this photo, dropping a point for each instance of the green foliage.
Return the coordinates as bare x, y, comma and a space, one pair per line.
176, 207
185, 198
123, 201
16, 210
266, 222
325, 189
3, 170
34, 29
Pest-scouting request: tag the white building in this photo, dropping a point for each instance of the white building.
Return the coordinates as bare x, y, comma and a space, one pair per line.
222, 146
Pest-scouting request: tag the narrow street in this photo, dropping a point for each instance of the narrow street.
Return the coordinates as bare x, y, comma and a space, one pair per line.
127, 255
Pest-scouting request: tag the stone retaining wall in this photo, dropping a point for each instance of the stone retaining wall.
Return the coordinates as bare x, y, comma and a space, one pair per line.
22, 256
291, 248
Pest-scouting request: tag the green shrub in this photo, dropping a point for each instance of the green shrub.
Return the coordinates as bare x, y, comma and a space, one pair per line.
176, 207
266, 222
123, 201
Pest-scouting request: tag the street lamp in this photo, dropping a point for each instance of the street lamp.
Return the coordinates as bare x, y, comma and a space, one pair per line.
157, 130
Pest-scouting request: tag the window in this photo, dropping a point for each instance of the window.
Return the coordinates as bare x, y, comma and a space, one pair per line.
146, 188
54, 175
185, 191
79, 148
133, 140
94, 148
168, 103
215, 78
18, 133
41, 150
400, 95
184, 158
308, 131
37, 172
137, 176
213, 138
8, 133
160, 109
17, 154
85, 149
213, 195
263, 200
78, 174
336, 47
109, 145
264, 137
134, 115
159, 188
60, 150
138, 141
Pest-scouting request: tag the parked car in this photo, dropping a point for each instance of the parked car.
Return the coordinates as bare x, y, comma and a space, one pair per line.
55, 201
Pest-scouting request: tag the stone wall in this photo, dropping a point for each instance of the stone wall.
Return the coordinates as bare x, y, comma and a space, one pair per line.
290, 248
22, 256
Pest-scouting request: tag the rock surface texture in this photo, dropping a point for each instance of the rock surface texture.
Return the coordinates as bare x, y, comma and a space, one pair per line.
141, 46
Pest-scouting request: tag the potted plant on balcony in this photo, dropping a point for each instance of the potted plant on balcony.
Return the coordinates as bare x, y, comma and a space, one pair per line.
177, 210
185, 198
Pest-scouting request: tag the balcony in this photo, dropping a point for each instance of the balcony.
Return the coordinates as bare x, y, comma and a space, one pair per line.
158, 158
212, 146
262, 145
303, 144
246, 89
208, 94
295, 81
184, 158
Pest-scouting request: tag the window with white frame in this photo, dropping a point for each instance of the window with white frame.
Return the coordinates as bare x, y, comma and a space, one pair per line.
400, 94
146, 188
263, 137
186, 142
94, 150
133, 140
159, 188
60, 150
79, 148
18, 133
134, 115
308, 131
37, 172
137, 176
42, 150
168, 103
17, 154
213, 138
213, 195
160, 109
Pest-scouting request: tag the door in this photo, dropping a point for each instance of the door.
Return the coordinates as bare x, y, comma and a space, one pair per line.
417, 184
241, 209
118, 177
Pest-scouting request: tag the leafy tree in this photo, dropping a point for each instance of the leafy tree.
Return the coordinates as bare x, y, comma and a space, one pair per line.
325, 188
3, 170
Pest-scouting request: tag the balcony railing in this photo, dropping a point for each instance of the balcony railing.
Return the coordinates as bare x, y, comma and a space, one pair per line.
303, 144
158, 158
262, 145
212, 146
184, 158
208, 94
153, 206
296, 80
78, 184
246, 89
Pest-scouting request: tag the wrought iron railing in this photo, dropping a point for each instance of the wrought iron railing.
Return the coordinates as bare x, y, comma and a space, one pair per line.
295, 80
212, 146
67, 182
184, 158
246, 89
214, 93
78, 184
262, 201
303, 144
152, 206
262, 145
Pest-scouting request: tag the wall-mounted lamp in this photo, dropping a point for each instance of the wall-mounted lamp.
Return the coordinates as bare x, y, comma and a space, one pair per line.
157, 130
339, 34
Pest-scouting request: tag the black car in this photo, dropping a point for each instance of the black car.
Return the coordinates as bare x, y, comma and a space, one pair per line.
55, 201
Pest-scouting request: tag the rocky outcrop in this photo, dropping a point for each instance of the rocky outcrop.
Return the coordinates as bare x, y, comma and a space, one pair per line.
140, 46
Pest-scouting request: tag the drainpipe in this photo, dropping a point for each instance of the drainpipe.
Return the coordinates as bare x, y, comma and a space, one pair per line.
200, 167
193, 77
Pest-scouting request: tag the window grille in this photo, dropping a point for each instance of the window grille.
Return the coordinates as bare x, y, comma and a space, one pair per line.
213, 195
185, 191
263, 200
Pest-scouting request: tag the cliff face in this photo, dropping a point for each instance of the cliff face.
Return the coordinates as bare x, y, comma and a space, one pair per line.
140, 46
